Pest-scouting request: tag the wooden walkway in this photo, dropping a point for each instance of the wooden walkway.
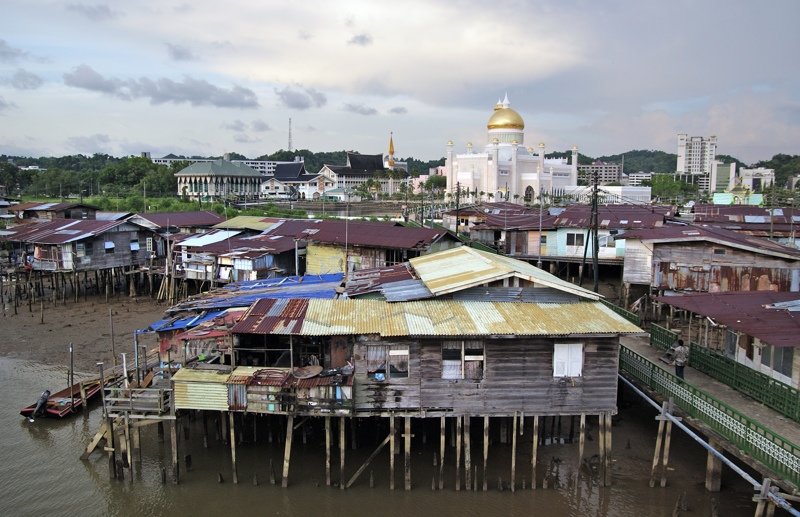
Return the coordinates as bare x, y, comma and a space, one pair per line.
755, 410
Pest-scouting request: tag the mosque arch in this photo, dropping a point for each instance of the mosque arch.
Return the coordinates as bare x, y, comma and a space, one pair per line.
529, 194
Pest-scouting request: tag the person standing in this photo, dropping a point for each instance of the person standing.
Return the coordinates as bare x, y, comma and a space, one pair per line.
681, 358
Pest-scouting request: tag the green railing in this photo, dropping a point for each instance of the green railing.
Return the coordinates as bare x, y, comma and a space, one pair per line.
768, 448
661, 338
628, 315
773, 393
478, 246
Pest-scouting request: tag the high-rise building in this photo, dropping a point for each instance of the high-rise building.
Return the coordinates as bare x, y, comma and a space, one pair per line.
696, 155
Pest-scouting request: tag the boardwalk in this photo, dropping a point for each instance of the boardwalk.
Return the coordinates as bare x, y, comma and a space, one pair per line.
752, 409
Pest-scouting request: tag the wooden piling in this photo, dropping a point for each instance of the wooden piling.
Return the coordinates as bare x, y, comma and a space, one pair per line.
232, 426
467, 454
391, 452
657, 451
513, 453
342, 447
665, 459
173, 434
485, 450
327, 451
287, 450
407, 466
713, 468
458, 453
581, 439
442, 428
607, 462
534, 449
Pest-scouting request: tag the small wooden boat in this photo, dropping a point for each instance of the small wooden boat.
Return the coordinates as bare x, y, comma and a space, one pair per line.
306, 372
63, 403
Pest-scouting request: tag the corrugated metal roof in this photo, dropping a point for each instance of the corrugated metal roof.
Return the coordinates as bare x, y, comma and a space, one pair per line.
515, 294
747, 312
198, 375
204, 239
59, 231
200, 218
405, 291
248, 222
430, 318
463, 267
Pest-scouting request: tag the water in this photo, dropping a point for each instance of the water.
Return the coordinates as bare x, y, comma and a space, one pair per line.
42, 474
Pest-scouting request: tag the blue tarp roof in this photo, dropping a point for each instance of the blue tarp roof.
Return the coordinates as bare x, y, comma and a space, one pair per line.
183, 323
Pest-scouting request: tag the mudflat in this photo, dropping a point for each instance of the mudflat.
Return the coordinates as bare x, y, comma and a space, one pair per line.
44, 334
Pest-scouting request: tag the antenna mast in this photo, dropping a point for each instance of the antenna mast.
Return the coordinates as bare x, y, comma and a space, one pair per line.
290, 134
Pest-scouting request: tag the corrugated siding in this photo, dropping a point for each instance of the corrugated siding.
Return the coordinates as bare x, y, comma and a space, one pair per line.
638, 262
201, 395
321, 259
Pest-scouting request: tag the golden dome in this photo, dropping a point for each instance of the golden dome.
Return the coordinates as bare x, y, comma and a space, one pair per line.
505, 118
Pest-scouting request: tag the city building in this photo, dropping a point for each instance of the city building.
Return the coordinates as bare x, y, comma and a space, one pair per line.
606, 173
217, 180
365, 168
265, 167
505, 165
696, 157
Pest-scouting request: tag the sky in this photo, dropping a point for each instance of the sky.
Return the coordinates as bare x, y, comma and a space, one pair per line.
207, 77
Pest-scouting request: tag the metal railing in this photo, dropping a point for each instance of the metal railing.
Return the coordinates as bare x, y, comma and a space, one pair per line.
628, 315
765, 446
662, 338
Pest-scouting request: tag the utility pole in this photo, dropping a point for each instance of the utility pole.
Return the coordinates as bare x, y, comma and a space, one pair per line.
595, 236
539, 257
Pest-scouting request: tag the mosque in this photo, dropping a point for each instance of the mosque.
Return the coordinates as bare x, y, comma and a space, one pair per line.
505, 168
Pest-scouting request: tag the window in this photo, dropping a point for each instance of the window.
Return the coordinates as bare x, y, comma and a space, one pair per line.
134, 245
80, 249
381, 356
109, 246
149, 244
567, 359
462, 360
719, 251
574, 239
778, 359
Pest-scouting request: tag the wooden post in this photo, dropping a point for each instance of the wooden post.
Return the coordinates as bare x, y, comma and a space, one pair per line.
665, 459
514, 452
581, 439
657, 451
366, 463
173, 435
128, 452
287, 450
467, 454
327, 451
205, 430
458, 453
485, 450
608, 435
407, 439
232, 427
391, 452
534, 448
601, 443
442, 427
341, 451
713, 469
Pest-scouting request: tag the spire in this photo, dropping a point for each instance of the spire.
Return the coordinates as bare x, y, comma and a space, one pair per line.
390, 158
505, 101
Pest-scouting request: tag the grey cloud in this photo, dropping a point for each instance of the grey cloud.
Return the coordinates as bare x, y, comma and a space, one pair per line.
180, 53
398, 110
24, 80
4, 104
259, 126
96, 12
197, 92
236, 125
10, 54
242, 138
90, 144
361, 40
360, 109
304, 35
309, 129
298, 97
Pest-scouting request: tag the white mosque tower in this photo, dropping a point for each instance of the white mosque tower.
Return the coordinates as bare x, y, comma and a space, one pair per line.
506, 168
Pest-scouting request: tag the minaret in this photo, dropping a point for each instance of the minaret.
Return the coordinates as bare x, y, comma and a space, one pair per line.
573, 177
448, 165
390, 158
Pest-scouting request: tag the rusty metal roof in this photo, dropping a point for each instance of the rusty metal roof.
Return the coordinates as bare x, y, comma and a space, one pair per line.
747, 312
614, 216
463, 267
59, 231
696, 232
429, 318
200, 218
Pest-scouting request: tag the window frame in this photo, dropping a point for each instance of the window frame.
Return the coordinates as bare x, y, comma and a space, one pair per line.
463, 346
567, 354
384, 355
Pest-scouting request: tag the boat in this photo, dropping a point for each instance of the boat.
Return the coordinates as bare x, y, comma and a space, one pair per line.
62, 403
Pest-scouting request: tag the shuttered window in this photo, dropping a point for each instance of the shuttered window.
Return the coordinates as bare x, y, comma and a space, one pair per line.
568, 360
462, 360
387, 361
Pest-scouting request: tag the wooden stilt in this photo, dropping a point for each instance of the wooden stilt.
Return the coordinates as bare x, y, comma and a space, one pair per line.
341, 451
407, 466
458, 453
608, 435
485, 450
327, 451
287, 450
232, 426
173, 435
467, 454
205, 430
713, 469
442, 428
366, 463
391, 452
534, 449
665, 459
128, 451
657, 451
514, 453
581, 439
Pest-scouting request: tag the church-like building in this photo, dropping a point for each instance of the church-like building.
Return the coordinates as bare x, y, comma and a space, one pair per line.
505, 168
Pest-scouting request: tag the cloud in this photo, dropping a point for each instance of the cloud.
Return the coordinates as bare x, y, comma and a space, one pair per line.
398, 110
236, 125
242, 138
90, 144
259, 126
24, 80
301, 98
304, 35
9, 54
360, 109
4, 104
96, 12
197, 92
180, 53
362, 40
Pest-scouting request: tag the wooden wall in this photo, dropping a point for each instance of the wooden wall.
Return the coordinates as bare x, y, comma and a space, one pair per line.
518, 376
